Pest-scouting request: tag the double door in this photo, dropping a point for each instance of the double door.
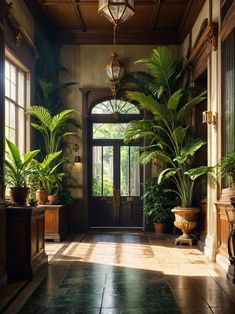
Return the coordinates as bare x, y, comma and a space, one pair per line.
115, 193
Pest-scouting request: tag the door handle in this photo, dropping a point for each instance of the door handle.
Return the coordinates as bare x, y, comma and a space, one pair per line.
129, 199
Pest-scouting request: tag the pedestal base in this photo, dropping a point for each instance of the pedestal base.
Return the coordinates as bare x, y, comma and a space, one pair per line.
189, 241
231, 273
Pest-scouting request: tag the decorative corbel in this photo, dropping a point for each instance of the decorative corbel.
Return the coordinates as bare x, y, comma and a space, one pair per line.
19, 39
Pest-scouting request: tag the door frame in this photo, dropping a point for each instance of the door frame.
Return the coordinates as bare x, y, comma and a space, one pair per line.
91, 97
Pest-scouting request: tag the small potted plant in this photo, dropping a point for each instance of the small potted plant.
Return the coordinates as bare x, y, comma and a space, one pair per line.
46, 177
18, 169
157, 203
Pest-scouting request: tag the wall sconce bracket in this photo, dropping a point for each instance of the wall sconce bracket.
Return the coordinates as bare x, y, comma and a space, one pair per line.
209, 117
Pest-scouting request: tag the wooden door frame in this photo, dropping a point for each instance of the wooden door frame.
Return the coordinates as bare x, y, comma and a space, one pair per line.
90, 96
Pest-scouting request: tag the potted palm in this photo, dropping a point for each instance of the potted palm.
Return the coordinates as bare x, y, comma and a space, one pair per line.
18, 169
54, 128
156, 203
170, 131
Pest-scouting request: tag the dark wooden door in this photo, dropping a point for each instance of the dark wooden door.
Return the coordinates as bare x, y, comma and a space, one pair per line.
116, 191
115, 175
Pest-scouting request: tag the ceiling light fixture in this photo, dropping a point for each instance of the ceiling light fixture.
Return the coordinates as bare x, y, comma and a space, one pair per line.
116, 11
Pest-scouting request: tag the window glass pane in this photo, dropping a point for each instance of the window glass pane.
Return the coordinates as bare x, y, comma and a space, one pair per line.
21, 87
115, 106
12, 115
109, 130
134, 171
7, 132
12, 135
7, 69
124, 170
13, 91
21, 130
7, 87
7, 111
13, 74
97, 171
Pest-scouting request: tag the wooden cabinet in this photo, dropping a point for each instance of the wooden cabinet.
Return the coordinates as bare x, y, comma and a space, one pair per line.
56, 222
25, 250
3, 276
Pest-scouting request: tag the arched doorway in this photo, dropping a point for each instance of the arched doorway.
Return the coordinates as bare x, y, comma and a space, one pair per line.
114, 175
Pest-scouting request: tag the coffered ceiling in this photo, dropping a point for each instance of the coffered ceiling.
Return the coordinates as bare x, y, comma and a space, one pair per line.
154, 21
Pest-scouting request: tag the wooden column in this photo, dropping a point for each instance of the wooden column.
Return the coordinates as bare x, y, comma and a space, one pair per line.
2, 137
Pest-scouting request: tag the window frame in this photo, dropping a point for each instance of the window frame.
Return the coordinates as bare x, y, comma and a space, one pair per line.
20, 67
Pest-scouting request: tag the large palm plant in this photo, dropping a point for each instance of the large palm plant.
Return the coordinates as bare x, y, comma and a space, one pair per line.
169, 131
54, 128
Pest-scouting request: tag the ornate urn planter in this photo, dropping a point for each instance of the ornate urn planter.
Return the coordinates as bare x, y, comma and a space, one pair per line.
186, 219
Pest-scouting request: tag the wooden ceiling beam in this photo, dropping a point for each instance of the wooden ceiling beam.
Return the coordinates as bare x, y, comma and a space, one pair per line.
105, 37
79, 15
156, 9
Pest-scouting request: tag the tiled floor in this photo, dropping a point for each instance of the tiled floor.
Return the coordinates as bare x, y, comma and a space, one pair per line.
115, 272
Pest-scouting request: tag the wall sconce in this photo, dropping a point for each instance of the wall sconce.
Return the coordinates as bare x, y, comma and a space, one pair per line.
77, 158
209, 117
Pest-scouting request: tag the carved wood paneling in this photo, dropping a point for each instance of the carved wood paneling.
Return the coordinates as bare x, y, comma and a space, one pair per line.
206, 43
203, 220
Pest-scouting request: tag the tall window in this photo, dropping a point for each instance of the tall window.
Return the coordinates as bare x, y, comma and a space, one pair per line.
16, 100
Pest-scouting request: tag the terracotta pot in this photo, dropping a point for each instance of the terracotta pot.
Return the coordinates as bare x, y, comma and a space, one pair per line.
41, 197
186, 219
159, 227
19, 195
53, 199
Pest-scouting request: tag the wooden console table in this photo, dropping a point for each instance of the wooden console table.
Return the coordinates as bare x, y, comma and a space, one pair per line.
56, 222
25, 250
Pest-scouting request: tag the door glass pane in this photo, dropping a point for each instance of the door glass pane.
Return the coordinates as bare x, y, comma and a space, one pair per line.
21, 130
129, 171
107, 171
134, 171
102, 167
109, 130
97, 171
124, 170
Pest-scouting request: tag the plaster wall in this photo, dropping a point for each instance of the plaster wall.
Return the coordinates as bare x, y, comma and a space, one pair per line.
86, 67
202, 16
